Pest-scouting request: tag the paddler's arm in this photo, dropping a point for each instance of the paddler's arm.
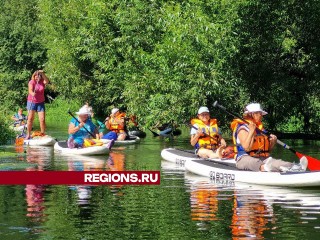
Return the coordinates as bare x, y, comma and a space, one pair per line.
45, 78
73, 129
222, 141
31, 90
247, 138
195, 137
14, 118
106, 122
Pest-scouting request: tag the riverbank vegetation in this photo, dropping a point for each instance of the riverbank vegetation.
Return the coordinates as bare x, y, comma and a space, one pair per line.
161, 60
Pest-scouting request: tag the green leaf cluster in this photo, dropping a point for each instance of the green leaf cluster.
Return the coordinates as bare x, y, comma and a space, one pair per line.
162, 60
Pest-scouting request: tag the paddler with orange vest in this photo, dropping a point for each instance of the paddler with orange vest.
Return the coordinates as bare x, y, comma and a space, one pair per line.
206, 136
116, 124
253, 146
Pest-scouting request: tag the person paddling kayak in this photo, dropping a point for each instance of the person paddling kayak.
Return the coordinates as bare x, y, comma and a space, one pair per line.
80, 129
253, 147
206, 136
116, 124
19, 118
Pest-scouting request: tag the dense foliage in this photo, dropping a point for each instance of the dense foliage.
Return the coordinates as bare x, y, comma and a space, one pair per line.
5, 132
161, 60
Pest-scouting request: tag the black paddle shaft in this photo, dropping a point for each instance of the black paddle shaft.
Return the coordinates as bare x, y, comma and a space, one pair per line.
215, 104
79, 122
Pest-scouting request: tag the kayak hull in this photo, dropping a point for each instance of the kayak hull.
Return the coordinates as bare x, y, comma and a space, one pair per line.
40, 141
180, 157
221, 172
130, 141
137, 133
62, 148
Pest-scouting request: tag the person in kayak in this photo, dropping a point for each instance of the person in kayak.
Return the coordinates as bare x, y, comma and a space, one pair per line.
35, 101
206, 136
101, 127
253, 146
78, 130
116, 124
19, 118
168, 128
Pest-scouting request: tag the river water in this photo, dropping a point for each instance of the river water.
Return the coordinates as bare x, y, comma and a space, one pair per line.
184, 206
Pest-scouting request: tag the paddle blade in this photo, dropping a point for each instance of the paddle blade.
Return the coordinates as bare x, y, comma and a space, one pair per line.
19, 141
313, 163
154, 133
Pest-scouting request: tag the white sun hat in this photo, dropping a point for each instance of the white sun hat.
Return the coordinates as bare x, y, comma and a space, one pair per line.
254, 107
203, 110
113, 111
89, 108
83, 111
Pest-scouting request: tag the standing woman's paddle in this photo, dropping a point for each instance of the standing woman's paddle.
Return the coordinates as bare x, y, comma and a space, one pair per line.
313, 163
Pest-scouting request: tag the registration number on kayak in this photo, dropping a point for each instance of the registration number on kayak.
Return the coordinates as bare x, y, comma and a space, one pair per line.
180, 162
221, 176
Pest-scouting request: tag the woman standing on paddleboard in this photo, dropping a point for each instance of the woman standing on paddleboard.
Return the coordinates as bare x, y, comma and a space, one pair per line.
35, 101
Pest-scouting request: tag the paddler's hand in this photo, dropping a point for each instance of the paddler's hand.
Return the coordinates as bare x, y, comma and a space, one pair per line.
199, 133
252, 127
223, 143
81, 125
272, 139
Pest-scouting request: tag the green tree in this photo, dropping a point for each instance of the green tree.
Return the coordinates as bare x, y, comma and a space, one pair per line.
21, 52
276, 61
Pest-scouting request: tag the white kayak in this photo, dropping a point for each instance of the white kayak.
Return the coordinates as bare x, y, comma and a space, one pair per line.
62, 148
180, 157
40, 141
226, 173
137, 133
130, 140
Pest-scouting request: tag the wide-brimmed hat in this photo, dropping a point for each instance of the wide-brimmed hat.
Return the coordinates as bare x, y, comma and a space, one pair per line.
254, 107
114, 110
83, 111
203, 110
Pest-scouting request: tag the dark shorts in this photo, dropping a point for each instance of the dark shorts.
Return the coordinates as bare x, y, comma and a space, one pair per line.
38, 107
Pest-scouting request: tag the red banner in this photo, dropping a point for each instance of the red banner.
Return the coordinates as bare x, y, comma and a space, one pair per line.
80, 178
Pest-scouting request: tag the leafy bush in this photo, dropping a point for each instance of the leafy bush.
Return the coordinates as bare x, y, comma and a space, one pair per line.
6, 134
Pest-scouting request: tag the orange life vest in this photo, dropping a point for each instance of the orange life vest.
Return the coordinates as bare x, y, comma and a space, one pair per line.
261, 143
113, 124
209, 140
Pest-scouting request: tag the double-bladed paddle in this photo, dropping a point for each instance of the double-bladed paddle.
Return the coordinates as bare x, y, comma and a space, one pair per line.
313, 163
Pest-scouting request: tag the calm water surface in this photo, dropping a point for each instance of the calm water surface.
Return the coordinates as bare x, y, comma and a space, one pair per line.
184, 206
